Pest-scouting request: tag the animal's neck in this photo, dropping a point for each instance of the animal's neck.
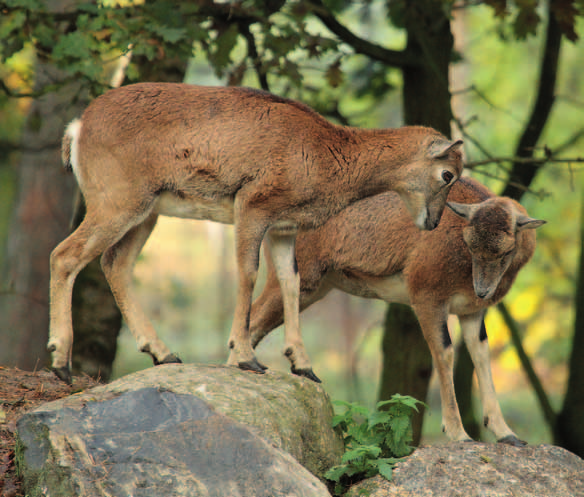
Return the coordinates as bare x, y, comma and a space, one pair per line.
377, 158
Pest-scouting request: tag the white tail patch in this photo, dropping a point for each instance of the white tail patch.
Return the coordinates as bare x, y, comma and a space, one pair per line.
72, 152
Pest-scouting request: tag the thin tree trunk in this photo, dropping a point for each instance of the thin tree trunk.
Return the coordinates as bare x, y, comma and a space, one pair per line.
523, 173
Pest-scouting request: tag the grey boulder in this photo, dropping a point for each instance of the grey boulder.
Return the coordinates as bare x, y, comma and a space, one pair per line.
182, 430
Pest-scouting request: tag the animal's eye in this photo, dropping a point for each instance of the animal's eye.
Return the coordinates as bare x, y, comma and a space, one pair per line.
447, 176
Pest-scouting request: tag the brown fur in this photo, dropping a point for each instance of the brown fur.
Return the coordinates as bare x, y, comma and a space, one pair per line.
372, 249
233, 155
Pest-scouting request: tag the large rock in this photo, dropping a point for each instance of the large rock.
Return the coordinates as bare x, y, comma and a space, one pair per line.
471, 469
183, 430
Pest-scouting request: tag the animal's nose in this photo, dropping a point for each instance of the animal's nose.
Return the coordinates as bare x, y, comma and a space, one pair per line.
483, 293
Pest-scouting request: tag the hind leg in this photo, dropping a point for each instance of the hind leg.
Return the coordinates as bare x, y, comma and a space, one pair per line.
117, 263
94, 235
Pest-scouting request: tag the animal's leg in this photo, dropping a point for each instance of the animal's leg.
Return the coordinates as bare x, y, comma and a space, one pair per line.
435, 328
250, 227
267, 311
94, 235
118, 263
475, 337
281, 242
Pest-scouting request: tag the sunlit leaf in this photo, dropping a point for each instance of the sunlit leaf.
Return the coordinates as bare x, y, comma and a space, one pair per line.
334, 74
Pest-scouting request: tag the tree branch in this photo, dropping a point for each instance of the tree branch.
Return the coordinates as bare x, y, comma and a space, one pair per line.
524, 172
394, 58
535, 162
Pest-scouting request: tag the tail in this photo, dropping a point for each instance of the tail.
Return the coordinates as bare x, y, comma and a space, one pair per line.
69, 145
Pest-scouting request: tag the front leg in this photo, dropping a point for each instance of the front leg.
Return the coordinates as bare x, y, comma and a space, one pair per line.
250, 227
281, 241
475, 337
433, 321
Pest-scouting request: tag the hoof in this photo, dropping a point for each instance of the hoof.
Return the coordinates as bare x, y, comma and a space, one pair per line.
512, 440
307, 373
169, 359
252, 365
63, 374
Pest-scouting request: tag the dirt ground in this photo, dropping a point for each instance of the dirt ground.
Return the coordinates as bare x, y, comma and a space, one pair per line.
22, 391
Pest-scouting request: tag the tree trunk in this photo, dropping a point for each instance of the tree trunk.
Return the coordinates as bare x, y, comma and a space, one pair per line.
407, 363
39, 221
96, 317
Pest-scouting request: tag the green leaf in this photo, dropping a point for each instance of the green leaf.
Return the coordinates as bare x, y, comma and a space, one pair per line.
399, 426
378, 417
75, 45
335, 473
220, 53
364, 451
398, 399
385, 470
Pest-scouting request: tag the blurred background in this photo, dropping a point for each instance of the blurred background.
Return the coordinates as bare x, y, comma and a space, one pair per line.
504, 76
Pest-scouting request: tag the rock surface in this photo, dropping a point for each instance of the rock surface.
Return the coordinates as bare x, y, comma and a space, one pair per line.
183, 430
481, 470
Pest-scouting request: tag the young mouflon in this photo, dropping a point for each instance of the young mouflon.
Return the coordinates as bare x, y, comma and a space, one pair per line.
372, 249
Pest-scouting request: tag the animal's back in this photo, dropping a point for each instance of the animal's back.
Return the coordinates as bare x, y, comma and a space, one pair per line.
204, 141
376, 235
190, 109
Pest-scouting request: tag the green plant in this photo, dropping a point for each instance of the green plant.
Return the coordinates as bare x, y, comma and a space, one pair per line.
373, 440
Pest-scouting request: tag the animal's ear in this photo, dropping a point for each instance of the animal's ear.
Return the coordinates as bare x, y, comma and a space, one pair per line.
525, 222
465, 211
441, 149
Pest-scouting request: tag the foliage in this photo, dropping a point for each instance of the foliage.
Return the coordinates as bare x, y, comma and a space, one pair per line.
277, 35
83, 40
373, 440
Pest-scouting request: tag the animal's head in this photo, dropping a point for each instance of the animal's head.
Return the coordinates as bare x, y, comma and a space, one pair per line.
428, 178
496, 235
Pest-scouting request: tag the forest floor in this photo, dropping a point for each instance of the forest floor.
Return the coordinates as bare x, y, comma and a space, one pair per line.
22, 391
